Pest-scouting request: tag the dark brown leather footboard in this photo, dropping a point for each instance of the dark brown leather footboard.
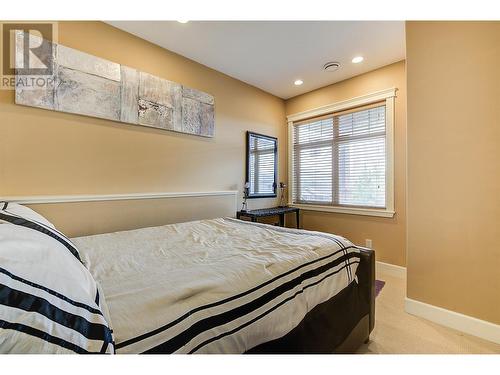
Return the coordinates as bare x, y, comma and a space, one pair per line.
339, 325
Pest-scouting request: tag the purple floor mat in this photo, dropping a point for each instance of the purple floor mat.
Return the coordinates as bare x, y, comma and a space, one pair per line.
379, 284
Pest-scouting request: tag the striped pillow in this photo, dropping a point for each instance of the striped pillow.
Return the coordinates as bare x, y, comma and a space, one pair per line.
26, 212
49, 301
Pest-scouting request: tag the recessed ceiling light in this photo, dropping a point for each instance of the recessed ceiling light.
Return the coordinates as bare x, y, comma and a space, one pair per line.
298, 82
357, 59
183, 21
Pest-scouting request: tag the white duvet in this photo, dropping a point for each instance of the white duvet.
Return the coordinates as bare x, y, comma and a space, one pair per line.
213, 286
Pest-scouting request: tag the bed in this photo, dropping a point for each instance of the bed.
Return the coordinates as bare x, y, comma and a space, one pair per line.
231, 286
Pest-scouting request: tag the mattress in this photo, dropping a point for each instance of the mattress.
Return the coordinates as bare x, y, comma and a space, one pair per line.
214, 286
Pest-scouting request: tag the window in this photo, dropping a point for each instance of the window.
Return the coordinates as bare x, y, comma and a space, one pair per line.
261, 165
342, 161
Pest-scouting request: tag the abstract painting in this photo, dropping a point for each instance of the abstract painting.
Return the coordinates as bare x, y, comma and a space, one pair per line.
88, 85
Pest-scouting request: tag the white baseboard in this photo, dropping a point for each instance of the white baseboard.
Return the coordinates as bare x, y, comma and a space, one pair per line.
460, 322
390, 269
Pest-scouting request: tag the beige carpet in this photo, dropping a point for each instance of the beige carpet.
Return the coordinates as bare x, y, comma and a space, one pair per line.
397, 332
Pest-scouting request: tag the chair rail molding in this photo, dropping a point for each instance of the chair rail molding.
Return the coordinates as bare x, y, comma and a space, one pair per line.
41, 199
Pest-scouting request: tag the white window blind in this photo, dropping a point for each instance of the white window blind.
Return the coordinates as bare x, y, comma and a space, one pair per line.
261, 165
340, 159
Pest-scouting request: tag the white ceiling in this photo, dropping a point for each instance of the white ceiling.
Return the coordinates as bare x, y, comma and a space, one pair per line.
271, 55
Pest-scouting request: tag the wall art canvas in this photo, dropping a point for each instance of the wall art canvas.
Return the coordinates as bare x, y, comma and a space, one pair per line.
83, 84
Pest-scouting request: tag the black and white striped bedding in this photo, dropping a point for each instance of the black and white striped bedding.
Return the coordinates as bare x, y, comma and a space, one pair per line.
214, 286
49, 302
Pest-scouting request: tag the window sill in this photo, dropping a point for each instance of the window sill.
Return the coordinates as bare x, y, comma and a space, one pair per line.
346, 210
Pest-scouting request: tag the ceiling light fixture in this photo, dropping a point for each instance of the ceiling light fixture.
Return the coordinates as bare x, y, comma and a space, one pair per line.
357, 59
183, 21
298, 82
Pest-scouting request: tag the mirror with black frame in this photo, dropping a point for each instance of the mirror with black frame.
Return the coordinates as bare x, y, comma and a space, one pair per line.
262, 163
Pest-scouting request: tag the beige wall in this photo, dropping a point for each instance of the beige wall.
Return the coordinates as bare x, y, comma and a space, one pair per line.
85, 218
45, 152
453, 166
387, 234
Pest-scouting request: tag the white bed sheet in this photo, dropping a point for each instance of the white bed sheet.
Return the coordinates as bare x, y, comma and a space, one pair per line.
258, 280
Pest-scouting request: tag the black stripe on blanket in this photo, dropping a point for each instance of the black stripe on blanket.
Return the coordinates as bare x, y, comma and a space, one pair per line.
42, 229
228, 299
28, 302
206, 342
206, 324
50, 291
329, 237
42, 335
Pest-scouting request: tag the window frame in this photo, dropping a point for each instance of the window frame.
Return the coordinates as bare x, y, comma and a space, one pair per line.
274, 194
387, 95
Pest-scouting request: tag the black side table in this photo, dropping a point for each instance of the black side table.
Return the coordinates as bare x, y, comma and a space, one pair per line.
266, 212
